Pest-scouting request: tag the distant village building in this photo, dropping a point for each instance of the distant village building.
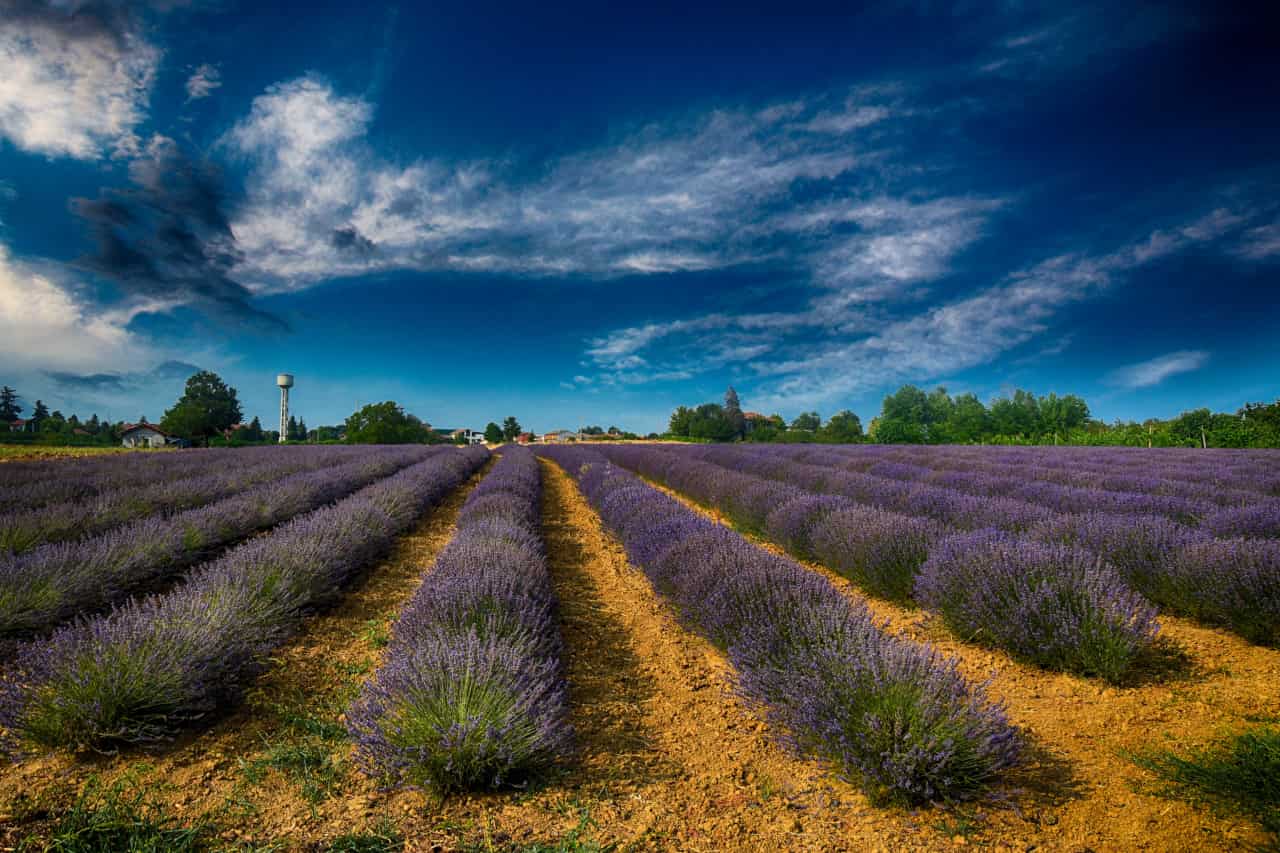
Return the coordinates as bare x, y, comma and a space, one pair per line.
146, 435
471, 436
525, 438
20, 425
559, 436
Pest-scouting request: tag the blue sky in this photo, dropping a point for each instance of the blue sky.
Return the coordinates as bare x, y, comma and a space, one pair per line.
594, 213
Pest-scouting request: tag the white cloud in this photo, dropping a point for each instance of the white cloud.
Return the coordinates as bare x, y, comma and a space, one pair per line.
847, 349
203, 81
1260, 243
1145, 374
681, 197
75, 83
45, 325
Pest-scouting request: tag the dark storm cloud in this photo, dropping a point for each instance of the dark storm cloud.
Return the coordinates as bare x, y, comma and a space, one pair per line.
119, 382
168, 237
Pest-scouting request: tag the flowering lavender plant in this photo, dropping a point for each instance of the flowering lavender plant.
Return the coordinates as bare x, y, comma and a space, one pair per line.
889, 713
472, 693
1059, 606
157, 664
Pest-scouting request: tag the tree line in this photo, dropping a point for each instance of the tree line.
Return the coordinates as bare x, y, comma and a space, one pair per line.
911, 415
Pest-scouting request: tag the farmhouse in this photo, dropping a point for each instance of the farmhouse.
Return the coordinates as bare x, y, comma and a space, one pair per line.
470, 435
145, 435
559, 436
525, 438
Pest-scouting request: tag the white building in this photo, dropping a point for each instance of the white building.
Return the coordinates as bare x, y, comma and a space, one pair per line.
471, 436
144, 435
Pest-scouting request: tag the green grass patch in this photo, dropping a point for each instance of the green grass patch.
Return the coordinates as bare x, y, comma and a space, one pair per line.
122, 816
1240, 774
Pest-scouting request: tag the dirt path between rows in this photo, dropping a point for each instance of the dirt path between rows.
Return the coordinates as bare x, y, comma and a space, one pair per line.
668, 758
277, 767
1079, 792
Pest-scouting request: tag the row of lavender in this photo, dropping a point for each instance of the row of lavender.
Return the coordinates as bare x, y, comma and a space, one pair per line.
1063, 590
472, 693
891, 714
50, 584
157, 664
213, 478
28, 484
1255, 515
1223, 477
1226, 571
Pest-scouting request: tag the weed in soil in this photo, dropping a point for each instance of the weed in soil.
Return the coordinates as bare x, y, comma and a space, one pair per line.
1240, 774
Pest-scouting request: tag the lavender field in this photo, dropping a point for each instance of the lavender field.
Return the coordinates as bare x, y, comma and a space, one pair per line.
339, 635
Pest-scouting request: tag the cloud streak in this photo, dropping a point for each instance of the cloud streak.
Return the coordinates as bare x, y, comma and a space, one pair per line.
1147, 374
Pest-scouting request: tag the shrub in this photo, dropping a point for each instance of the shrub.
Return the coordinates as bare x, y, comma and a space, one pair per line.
879, 551
472, 694
1059, 606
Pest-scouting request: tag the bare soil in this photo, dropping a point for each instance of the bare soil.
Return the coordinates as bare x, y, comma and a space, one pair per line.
1079, 791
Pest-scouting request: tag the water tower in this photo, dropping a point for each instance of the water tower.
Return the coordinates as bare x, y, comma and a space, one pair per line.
285, 381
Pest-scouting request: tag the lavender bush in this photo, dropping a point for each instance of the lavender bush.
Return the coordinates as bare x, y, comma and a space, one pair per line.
49, 585
886, 712
1232, 582
879, 551
472, 693
24, 529
1059, 606
157, 664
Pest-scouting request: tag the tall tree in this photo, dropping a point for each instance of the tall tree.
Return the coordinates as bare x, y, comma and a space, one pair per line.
493, 433
206, 408
733, 412
9, 408
39, 414
511, 428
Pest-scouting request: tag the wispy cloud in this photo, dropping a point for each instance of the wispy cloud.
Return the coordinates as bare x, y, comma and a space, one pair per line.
77, 76
689, 195
841, 353
203, 81
1146, 374
1260, 243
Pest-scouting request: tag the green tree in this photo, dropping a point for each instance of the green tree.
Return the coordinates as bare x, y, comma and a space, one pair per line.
681, 422
493, 433
807, 422
902, 417
511, 428
385, 423
592, 430
968, 422
291, 429
733, 413
709, 422
206, 408
1060, 415
9, 408
844, 427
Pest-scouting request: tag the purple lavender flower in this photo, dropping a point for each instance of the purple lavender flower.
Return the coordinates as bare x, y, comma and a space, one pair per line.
1059, 606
